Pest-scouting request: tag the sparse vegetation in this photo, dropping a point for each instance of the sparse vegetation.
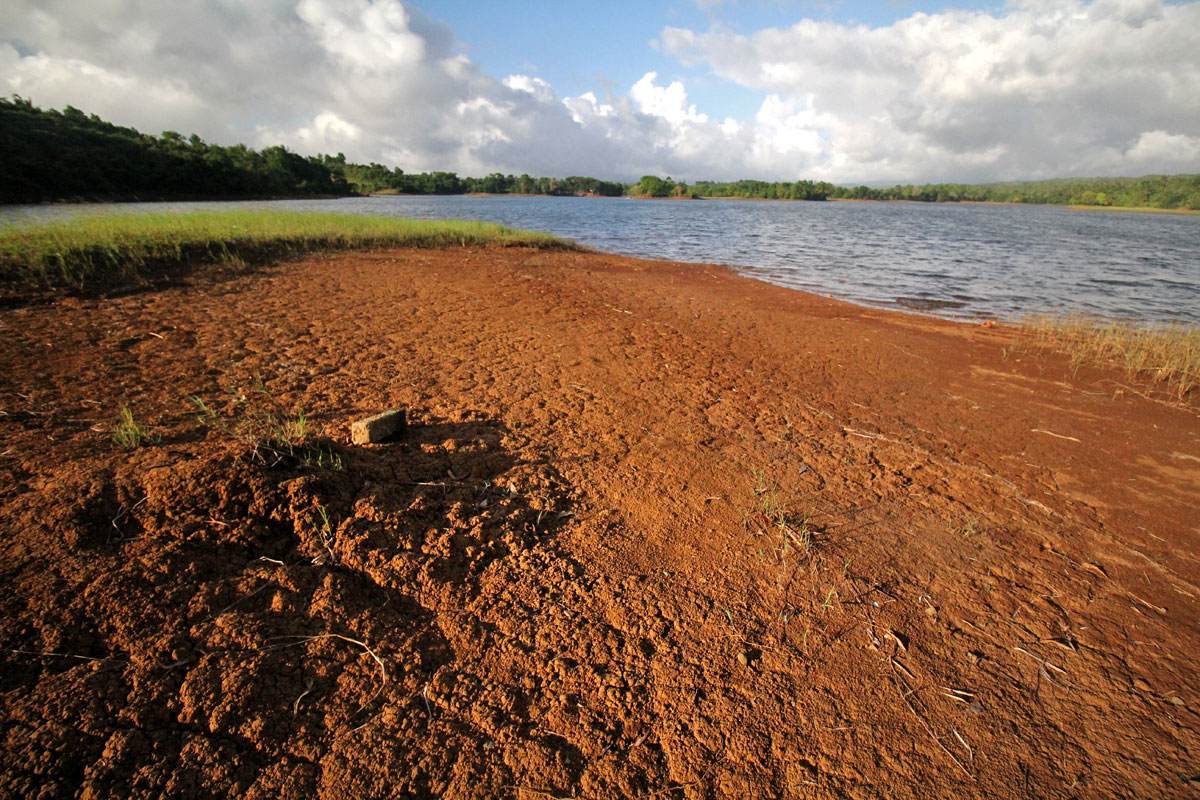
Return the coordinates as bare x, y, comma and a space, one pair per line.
273, 437
130, 434
325, 533
771, 517
827, 605
111, 249
1164, 358
969, 527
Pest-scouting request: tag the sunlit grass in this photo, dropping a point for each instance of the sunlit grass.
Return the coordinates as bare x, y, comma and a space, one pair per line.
1137, 209
1166, 358
116, 249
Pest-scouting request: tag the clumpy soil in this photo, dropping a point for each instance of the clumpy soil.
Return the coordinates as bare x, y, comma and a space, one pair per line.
654, 530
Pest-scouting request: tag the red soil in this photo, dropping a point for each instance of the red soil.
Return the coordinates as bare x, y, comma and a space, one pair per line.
656, 530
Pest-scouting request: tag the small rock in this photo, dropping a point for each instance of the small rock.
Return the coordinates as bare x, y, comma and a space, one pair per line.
743, 659
378, 428
1176, 700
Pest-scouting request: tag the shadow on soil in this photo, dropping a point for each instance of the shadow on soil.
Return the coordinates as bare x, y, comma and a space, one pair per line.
226, 602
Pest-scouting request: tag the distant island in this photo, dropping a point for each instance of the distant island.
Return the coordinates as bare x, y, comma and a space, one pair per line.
69, 155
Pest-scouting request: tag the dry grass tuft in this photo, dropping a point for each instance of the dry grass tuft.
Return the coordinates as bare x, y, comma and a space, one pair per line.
1166, 359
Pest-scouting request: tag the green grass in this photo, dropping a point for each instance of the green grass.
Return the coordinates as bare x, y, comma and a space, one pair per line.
111, 250
129, 434
325, 530
1166, 359
771, 516
272, 437
1137, 209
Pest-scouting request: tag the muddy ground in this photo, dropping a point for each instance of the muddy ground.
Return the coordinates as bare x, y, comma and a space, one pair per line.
655, 530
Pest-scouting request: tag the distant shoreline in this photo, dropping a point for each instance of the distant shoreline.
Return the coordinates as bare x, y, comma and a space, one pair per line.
1138, 209
1073, 207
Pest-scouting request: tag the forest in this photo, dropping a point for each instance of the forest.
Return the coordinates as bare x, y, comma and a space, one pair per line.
69, 155
1149, 191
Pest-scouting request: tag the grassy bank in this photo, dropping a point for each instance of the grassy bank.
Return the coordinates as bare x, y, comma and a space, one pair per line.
111, 250
1165, 358
1137, 209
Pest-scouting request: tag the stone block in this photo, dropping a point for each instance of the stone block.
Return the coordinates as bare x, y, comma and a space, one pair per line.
379, 428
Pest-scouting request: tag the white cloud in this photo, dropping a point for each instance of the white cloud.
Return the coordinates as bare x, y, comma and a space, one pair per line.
1047, 88
169, 101
668, 102
1059, 87
586, 109
327, 133
530, 85
1160, 147
368, 37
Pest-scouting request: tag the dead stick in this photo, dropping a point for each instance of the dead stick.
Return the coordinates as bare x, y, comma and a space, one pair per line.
929, 730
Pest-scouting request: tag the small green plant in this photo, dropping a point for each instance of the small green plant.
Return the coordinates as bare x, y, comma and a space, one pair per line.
969, 527
129, 433
314, 455
828, 604
325, 530
205, 413
273, 437
767, 493
801, 534
771, 517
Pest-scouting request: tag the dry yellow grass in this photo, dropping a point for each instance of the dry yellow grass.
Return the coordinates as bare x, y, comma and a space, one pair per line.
1166, 358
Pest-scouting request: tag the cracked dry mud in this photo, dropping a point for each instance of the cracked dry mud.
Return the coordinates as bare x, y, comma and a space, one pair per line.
655, 530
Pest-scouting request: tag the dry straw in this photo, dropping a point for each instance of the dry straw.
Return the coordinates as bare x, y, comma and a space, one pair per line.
1166, 358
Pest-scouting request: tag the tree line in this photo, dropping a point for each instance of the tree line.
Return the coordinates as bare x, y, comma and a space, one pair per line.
1148, 191
67, 155
378, 179
70, 155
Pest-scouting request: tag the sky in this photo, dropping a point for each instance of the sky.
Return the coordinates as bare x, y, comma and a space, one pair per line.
847, 91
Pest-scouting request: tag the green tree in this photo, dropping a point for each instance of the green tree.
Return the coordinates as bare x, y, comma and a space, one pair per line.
652, 186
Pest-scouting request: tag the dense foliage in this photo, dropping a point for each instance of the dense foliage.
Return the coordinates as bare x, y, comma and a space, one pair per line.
376, 178
64, 155
654, 186
1150, 191
53, 155
800, 190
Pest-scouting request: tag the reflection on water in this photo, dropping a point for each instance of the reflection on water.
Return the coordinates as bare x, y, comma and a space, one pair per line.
961, 261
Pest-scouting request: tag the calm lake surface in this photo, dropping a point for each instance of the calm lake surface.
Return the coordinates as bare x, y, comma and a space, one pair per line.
959, 261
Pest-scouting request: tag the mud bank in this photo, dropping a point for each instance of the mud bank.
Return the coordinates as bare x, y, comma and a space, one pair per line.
655, 530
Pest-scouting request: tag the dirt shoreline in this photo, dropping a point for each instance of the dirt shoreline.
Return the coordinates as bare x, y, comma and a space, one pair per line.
656, 530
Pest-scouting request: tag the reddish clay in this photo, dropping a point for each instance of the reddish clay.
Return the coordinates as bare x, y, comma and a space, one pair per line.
654, 530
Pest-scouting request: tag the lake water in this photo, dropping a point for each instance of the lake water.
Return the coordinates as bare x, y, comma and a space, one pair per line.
951, 260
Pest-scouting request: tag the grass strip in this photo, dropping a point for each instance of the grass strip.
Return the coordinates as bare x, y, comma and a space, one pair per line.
112, 249
1167, 357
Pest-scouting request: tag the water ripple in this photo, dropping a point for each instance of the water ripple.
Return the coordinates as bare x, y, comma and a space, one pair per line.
959, 261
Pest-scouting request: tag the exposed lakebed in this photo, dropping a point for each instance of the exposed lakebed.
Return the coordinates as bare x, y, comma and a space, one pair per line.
950, 260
